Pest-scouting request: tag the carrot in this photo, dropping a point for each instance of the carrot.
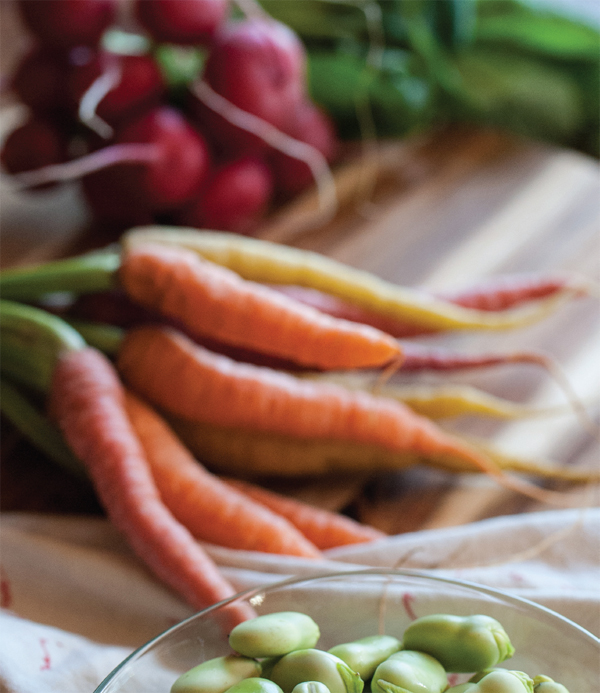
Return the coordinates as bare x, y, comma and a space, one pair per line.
263, 261
325, 529
502, 292
496, 294
437, 401
209, 508
87, 401
250, 453
418, 357
345, 310
215, 302
246, 453
192, 382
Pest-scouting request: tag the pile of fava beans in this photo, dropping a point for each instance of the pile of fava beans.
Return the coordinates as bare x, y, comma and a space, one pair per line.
276, 653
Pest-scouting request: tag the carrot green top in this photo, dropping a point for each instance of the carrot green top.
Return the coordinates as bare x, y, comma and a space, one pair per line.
81, 274
32, 340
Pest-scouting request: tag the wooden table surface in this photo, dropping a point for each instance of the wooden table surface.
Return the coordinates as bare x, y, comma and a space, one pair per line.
442, 211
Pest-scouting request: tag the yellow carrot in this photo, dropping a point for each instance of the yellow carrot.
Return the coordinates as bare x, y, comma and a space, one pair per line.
241, 452
436, 401
263, 261
256, 454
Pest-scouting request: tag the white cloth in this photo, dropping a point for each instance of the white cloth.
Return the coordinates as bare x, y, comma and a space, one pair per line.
76, 601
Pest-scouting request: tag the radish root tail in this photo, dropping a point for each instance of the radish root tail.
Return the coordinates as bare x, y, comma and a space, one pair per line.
311, 156
100, 87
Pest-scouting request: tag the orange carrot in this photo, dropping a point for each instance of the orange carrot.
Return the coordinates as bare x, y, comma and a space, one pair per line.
212, 510
87, 401
189, 381
215, 302
325, 529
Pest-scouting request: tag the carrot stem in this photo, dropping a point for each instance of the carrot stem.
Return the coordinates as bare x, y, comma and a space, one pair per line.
82, 274
32, 341
106, 338
32, 424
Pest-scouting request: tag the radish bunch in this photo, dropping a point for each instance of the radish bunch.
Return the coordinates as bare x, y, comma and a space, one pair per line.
105, 110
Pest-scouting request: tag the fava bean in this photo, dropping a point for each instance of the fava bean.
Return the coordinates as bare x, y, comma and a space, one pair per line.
316, 665
432, 647
497, 681
544, 684
267, 666
460, 643
409, 672
366, 654
255, 684
216, 675
275, 634
311, 687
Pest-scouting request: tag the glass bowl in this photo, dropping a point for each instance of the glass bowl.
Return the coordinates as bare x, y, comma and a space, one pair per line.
353, 604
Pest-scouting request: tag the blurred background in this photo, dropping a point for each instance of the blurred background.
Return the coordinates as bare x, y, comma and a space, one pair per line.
368, 71
462, 137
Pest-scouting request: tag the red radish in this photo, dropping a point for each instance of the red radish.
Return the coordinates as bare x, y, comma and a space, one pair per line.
66, 23
157, 163
234, 199
131, 83
109, 201
32, 145
39, 80
259, 66
314, 127
186, 22
183, 161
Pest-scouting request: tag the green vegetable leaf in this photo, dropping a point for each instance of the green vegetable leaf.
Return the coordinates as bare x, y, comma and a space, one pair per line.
30, 422
320, 19
180, 65
524, 95
399, 98
554, 36
454, 22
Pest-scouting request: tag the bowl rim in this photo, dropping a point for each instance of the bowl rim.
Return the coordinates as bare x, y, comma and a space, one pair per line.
398, 572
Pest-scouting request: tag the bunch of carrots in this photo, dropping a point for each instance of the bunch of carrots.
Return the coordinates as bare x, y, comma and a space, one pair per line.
249, 357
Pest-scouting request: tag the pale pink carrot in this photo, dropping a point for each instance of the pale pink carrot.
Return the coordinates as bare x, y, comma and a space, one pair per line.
419, 357
507, 291
493, 295
87, 401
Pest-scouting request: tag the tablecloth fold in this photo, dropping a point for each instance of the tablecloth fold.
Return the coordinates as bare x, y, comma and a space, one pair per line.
75, 600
